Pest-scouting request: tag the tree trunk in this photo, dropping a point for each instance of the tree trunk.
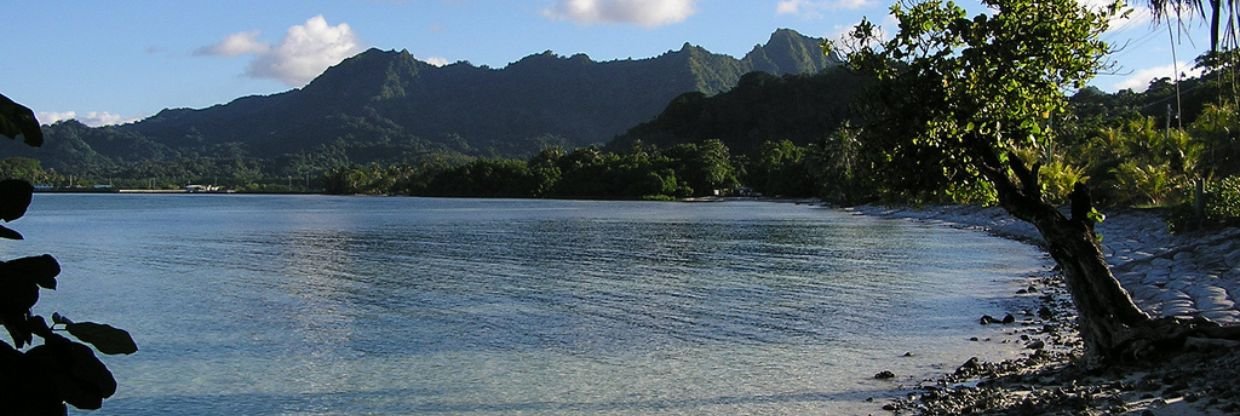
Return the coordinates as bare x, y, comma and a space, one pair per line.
1112, 326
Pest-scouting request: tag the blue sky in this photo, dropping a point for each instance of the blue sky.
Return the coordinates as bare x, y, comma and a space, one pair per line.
115, 61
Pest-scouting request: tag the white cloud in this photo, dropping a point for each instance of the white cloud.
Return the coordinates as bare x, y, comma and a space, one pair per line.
1140, 80
842, 34
91, 118
817, 8
789, 6
240, 43
437, 61
303, 54
51, 117
648, 13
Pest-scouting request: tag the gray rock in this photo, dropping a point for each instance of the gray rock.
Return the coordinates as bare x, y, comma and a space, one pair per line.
1168, 296
1233, 258
1223, 317
1178, 308
1213, 298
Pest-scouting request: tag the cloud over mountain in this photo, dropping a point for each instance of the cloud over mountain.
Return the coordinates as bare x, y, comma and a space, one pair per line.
90, 118
1140, 80
306, 50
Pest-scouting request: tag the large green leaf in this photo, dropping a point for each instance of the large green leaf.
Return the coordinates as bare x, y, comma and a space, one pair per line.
108, 339
18, 121
15, 197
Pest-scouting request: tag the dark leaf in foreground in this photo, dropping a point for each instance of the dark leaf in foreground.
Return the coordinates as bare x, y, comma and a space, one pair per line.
14, 198
9, 233
17, 294
72, 372
17, 120
108, 339
18, 327
42, 270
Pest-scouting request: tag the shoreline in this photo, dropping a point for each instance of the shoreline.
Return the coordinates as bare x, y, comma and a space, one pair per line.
1047, 379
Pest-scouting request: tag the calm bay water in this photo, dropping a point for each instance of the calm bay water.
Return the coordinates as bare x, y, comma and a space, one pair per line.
315, 305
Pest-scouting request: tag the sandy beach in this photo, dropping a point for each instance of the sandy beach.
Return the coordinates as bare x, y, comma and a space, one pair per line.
1186, 275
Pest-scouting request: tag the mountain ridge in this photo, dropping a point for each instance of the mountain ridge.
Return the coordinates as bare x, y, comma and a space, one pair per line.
380, 96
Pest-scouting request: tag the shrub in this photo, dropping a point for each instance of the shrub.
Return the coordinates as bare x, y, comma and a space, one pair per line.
1222, 207
1223, 200
1058, 178
1149, 184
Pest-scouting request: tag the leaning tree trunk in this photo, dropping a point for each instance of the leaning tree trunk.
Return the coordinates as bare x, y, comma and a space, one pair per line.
1112, 326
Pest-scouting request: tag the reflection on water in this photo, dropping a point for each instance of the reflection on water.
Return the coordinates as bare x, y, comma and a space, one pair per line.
326, 305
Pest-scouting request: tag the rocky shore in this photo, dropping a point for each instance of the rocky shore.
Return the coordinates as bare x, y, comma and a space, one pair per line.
1185, 275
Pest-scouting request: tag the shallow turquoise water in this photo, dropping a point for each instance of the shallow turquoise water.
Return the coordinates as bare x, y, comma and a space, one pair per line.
315, 305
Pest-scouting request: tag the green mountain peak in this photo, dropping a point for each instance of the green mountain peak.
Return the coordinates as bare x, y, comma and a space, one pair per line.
389, 98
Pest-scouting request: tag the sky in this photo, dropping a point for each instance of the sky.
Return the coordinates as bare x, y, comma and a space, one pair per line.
109, 62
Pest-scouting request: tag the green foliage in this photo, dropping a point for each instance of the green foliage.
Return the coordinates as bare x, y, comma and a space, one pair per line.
1144, 184
641, 173
780, 169
1223, 200
1216, 130
485, 177
973, 192
705, 167
762, 107
1058, 179
957, 94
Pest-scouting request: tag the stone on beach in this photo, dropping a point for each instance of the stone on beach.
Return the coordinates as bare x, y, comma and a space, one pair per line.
1213, 299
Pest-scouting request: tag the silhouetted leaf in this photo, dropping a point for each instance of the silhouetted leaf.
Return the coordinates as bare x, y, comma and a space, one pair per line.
108, 339
9, 233
42, 270
17, 120
14, 198
75, 375
88, 381
37, 389
18, 328
17, 294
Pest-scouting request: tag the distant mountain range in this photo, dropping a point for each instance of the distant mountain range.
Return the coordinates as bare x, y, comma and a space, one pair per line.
392, 104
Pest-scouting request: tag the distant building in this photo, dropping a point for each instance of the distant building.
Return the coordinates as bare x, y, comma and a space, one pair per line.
202, 188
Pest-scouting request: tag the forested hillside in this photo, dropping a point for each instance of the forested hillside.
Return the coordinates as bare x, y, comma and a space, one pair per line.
387, 107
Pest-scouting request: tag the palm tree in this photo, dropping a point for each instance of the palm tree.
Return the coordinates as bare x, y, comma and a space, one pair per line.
1164, 10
